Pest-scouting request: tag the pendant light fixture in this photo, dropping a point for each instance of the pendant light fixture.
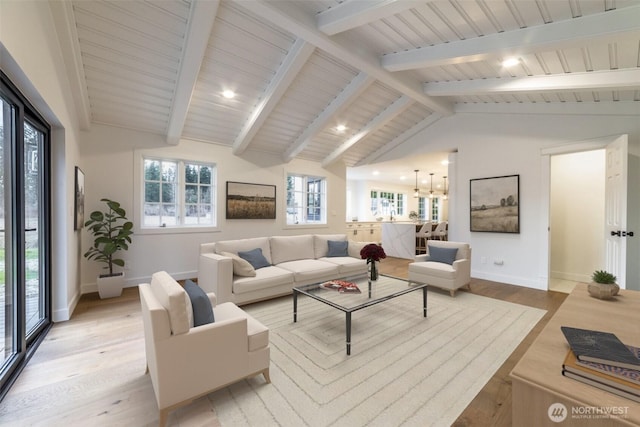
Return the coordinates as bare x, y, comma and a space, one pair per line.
416, 191
431, 190
445, 194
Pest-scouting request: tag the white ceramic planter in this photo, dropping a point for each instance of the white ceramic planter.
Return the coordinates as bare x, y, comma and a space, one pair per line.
110, 286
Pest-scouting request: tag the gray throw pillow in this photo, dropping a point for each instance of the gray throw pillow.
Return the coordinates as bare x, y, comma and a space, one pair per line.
445, 255
200, 302
337, 248
255, 258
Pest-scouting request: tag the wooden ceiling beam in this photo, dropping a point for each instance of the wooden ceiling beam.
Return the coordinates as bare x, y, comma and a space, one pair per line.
552, 36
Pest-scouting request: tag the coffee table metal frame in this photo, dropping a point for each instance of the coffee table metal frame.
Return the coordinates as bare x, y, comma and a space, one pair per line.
307, 290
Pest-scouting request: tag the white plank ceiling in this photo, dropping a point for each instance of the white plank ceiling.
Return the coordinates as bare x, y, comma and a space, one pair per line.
385, 69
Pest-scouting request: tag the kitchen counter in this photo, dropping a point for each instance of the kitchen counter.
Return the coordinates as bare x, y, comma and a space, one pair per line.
399, 239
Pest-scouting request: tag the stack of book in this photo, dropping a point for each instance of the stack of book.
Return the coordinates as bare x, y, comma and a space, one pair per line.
601, 360
341, 286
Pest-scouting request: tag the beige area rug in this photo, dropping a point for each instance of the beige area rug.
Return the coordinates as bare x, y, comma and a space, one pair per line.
403, 369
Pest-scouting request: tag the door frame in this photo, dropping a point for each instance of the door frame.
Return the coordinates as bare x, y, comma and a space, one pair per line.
545, 195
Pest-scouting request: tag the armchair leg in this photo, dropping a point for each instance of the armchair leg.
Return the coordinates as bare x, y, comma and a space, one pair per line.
164, 413
146, 371
265, 373
452, 292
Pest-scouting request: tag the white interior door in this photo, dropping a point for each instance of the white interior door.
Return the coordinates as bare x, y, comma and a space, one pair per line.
616, 209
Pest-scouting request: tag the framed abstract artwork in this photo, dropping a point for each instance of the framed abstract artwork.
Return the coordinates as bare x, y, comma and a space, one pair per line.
495, 204
78, 206
250, 201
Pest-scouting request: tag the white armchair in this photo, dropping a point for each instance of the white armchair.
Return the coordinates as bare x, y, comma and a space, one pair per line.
446, 265
187, 362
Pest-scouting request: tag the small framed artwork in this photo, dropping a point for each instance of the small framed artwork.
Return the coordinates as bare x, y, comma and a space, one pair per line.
78, 207
495, 204
250, 201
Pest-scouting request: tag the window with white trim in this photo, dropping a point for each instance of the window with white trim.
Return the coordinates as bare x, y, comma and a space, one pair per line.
422, 208
435, 209
306, 199
178, 193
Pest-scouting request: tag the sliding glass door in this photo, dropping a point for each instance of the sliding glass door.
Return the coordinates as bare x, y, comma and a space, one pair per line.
25, 309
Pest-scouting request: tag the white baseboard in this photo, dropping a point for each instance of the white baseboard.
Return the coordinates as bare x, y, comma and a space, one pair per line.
65, 314
574, 277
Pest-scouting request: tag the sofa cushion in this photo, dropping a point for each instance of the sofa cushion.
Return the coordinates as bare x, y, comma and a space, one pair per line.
320, 243
307, 270
436, 269
200, 303
234, 246
257, 333
439, 254
255, 258
241, 267
291, 248
265, 278
347, 265
175, 300
354, 248
337, 248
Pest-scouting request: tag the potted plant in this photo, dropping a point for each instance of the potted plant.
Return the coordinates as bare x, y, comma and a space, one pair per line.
603, 285
413, 216
112, 232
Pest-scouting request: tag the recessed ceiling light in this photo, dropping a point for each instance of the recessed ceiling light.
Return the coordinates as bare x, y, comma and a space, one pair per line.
402, 178
228, 94
376, 173
444, 162
510, 62
341, 128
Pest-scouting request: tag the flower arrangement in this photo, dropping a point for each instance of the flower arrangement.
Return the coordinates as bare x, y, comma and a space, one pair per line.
372, 253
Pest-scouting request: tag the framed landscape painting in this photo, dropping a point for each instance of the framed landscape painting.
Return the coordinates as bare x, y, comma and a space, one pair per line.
250, 201
495, 204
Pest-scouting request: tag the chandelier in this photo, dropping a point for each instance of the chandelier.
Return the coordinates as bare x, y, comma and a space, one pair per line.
445, 195
431, 190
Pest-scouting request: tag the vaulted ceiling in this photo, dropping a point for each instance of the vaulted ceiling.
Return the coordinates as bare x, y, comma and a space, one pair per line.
385, 69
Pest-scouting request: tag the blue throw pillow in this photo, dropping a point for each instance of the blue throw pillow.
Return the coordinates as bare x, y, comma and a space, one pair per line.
445, 255
337, 248
200, 302
255, 258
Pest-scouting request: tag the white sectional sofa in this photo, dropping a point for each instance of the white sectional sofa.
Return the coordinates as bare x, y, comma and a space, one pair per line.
293, 261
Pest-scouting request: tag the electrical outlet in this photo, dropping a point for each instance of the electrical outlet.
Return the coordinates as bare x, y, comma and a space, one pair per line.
498, 261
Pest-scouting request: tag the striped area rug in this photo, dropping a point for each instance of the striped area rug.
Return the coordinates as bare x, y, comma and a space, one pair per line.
403, 369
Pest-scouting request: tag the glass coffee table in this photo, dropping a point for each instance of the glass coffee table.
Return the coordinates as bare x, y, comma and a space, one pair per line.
371, 293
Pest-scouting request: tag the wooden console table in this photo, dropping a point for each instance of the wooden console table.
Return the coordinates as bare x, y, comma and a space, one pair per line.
537, 380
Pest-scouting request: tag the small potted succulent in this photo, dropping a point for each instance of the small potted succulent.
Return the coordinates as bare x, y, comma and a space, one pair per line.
603, 285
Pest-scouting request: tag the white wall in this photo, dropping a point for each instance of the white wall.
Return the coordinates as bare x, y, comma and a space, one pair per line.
108, 156
577, 215
30, 56
505, 144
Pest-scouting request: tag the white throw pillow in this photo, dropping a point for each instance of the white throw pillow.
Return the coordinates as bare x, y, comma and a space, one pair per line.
241, 267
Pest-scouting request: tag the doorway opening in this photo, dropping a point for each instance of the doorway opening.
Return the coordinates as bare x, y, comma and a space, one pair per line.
576, 218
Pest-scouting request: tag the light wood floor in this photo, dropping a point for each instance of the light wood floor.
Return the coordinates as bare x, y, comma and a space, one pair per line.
104, 340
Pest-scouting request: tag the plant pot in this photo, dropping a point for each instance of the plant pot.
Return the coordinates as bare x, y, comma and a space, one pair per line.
110, 286
603, 290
